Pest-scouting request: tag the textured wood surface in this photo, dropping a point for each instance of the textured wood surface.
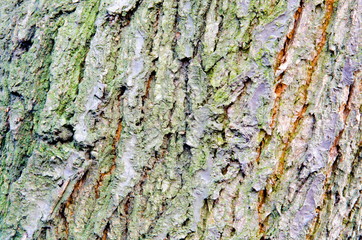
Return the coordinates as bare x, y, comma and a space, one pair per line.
190, 119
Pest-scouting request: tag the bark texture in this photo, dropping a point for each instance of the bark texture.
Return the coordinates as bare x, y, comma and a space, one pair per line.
190, 119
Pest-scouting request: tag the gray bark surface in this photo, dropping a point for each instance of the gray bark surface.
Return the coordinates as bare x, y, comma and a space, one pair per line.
190, 119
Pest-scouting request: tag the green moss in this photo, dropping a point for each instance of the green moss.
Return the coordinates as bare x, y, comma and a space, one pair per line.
198, 161
80, 48
221, 96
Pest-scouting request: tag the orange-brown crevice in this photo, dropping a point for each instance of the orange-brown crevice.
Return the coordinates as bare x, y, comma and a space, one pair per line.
310, 235
263, 142
111, 170
281, 57
345, 110
320, 45
280, 88
148, 85
113, 167
312, 67
70, 202
335, 153
105, 232
313, 63
262, 195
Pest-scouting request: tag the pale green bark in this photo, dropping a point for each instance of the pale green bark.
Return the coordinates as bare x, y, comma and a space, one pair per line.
191, 119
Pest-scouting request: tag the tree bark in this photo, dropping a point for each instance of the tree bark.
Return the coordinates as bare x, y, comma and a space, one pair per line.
190, 119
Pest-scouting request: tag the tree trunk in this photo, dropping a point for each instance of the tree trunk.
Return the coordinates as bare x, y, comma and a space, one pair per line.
190, 119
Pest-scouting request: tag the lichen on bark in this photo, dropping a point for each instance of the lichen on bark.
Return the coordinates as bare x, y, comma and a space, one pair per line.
207, 119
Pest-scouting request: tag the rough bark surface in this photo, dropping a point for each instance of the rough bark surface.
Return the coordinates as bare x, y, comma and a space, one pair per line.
190, 119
